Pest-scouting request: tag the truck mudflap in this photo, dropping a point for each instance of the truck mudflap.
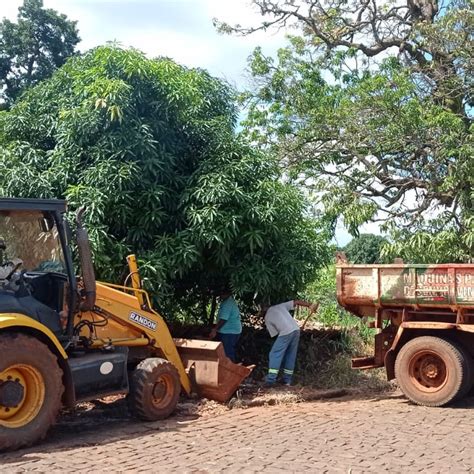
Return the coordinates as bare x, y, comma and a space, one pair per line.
212, 374
384, 341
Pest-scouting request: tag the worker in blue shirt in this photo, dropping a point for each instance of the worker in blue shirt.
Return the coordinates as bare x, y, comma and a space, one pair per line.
228, 327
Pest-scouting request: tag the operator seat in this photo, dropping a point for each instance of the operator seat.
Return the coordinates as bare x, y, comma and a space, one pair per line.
28, 305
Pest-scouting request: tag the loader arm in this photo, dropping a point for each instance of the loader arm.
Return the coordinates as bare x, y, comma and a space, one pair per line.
123, 316
125, 308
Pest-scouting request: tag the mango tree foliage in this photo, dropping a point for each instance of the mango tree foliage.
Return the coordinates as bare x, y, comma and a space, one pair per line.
149, 147
372, 106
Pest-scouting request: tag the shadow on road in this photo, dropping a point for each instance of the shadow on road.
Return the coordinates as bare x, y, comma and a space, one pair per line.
105, 423
465, 403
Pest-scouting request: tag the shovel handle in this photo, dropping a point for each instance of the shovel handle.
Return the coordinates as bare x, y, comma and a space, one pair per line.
310, 312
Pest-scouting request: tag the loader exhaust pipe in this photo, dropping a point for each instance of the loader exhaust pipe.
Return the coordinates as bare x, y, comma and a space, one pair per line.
87, 267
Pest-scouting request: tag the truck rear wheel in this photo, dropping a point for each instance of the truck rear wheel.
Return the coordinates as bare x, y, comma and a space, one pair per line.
431, 371
30, 390
468, 381
154, 389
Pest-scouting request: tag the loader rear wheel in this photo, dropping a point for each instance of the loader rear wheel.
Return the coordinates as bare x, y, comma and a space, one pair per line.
431, 371
30, 390
154, 389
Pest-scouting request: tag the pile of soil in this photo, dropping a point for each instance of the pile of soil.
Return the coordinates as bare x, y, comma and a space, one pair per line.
86, 415
317, 348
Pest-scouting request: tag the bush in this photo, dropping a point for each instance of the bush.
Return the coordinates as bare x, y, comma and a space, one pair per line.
330, 315
324, 356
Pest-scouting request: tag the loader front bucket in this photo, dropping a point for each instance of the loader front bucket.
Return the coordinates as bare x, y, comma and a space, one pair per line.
212, 374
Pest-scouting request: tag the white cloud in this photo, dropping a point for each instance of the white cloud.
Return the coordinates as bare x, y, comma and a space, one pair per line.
200, 45
9, 9
182, 47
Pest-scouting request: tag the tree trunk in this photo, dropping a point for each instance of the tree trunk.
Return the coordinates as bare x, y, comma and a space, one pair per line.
213, 309
204, 315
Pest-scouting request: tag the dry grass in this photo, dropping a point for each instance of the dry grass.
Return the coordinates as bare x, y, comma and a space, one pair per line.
338, 373
114, 408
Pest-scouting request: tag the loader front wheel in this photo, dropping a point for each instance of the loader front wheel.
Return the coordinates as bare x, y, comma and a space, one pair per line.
431, 371
154, 389
30, 390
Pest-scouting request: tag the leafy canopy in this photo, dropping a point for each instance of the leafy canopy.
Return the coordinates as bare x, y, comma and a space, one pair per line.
372, 102
32, 48
149, 147
366, 248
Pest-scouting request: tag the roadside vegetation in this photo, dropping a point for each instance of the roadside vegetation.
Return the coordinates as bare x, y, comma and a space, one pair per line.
339, 333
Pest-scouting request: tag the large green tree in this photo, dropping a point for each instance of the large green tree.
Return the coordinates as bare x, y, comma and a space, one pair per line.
32, 48
366, 249
149, 147
372, 100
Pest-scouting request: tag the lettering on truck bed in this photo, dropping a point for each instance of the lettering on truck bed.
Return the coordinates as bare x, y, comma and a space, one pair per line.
436, 284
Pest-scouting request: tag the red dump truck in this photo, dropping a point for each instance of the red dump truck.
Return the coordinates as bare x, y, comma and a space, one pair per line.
424, 315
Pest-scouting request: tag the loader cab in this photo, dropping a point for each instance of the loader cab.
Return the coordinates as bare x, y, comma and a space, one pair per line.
36, 274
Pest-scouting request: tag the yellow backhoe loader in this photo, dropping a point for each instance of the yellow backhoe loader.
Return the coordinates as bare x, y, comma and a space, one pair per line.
65, 339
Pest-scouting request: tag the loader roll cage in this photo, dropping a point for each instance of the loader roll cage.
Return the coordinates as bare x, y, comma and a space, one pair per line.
40, 220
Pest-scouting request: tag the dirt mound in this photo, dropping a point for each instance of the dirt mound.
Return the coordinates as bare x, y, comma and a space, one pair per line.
88, 415
317, 348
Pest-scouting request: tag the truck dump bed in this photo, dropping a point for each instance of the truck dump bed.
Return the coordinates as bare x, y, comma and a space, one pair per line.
362, 289
424, 321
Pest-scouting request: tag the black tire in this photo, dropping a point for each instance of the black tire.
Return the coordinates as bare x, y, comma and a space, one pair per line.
431, 371
154, 389
41, 388
468, 381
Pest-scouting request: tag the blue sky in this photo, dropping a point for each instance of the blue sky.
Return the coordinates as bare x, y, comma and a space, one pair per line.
179, 29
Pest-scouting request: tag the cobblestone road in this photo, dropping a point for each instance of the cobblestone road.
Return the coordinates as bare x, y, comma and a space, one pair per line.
344, 435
